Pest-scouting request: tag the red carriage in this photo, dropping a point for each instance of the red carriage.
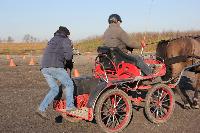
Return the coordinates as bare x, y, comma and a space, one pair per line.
115, 88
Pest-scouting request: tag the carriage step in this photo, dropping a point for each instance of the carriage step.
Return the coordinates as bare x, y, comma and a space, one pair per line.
83, 113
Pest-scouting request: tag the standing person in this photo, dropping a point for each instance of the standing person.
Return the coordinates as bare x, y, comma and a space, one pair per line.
57, 52
115, 36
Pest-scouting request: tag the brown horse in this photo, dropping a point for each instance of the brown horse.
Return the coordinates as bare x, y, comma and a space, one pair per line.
178, 54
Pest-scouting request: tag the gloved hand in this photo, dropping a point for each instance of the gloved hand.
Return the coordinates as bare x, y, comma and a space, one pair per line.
129, 49
69, 64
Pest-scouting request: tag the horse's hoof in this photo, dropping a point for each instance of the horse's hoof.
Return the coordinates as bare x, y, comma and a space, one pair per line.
187, 106
195, 104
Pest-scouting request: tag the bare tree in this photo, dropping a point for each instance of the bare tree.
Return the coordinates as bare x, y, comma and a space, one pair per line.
28, 38
10, 39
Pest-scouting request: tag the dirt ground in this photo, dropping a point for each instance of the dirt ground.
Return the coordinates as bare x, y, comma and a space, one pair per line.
22, 88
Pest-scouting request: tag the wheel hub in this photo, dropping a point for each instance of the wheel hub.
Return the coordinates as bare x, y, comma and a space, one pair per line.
112, 111
159, 104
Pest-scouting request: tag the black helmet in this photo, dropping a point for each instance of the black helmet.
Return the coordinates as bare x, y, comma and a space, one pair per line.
114, 18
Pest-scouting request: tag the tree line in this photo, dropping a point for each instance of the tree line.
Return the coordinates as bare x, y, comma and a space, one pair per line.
27, 39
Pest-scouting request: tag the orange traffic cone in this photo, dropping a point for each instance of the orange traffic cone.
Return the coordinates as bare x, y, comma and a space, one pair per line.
8, 56
31, 62
12, 64
76, 73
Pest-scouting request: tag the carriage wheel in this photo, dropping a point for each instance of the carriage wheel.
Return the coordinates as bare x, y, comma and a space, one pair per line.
113, 111
159, 104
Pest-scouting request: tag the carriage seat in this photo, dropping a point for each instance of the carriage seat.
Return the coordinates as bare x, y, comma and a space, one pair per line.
105, 57
116, 55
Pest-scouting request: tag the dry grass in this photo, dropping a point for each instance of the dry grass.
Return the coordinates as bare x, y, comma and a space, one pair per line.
21, 48
91, 44
152, 38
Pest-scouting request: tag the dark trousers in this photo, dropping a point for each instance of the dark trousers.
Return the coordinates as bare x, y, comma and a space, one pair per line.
139, 62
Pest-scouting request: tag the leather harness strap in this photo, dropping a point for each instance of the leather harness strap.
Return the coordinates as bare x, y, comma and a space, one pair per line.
176, 59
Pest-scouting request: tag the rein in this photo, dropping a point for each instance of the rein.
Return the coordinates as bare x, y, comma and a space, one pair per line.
177, 59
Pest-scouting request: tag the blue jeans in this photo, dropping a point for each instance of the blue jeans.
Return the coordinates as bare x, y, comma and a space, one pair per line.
52, 75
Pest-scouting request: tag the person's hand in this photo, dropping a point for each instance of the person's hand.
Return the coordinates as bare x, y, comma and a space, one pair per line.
129, 52
129, 49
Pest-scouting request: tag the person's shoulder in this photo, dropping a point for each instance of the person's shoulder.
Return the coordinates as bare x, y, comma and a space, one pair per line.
66, 40
122, 31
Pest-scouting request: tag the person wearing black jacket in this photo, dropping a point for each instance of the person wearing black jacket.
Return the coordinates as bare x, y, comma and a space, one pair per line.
57, 53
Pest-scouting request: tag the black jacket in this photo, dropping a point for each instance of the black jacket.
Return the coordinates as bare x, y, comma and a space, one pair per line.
58, 50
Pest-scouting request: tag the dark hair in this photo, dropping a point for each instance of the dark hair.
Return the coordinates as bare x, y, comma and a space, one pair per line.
64, 30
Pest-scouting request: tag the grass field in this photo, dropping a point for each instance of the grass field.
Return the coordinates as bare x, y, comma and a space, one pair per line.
91, 44
22, 48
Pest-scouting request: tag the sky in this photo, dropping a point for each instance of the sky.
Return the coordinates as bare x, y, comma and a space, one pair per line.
88, 18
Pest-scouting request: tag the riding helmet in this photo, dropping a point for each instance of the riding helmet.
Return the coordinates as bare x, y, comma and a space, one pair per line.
114, 18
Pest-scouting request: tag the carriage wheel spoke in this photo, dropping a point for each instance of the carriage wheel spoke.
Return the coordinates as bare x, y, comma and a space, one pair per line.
166, 100
163, 111
154, 110
164, 96
121, 111
160, 96
115, 100
112, 101
160, 113
165, 106
156, 113
107, 104
121, 116
118, 101
117, 120
108, 121
119, 107
105, 117
152, 106
113, 121
105, 111
153, 100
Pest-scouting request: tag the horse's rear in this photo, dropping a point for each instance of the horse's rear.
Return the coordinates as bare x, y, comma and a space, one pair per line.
178, 54
196, 48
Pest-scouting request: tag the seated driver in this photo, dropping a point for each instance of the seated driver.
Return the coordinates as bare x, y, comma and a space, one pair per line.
115, 36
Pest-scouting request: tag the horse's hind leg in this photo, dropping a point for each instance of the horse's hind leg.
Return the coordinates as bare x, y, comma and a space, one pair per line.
196, 95
195, 99
181, 93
